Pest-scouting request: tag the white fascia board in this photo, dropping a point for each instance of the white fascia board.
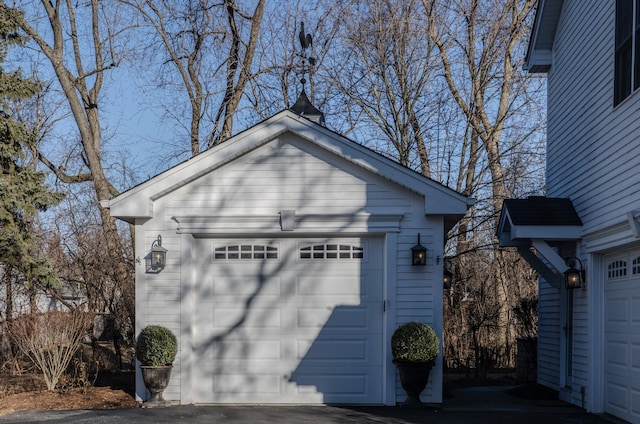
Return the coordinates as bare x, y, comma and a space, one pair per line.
504, 229
535, 30
129, 211
549, 232
439, 203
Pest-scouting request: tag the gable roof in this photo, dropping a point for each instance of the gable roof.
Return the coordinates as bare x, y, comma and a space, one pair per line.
545, 218
137, 202
539, 57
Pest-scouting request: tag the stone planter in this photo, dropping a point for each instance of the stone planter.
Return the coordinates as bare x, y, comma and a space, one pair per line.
414, 378
156, 379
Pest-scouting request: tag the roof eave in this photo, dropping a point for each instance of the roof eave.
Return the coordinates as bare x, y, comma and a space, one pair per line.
539, 56
539, 61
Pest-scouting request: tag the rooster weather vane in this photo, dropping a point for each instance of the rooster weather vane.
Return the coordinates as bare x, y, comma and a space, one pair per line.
306, 42
303, 106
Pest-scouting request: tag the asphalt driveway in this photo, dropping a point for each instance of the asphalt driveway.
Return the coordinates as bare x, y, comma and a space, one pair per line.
470, 405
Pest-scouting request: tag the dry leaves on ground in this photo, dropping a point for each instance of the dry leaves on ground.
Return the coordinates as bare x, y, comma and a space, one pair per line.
87, 398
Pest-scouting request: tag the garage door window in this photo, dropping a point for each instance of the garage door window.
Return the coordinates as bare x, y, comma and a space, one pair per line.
245, 252
331, 251
635, 269
617, 269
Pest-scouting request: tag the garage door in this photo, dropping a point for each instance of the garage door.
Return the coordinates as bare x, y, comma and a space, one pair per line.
289, 321
622, 336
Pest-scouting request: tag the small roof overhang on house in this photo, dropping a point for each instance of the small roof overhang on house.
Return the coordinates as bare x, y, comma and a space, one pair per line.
544, 230
539, 57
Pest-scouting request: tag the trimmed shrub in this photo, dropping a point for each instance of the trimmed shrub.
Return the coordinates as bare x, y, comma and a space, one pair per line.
414, 342
156, 346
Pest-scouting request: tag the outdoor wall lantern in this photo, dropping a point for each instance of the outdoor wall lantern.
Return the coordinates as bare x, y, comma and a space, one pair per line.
574, 278
447, 278
157, 259
418, 254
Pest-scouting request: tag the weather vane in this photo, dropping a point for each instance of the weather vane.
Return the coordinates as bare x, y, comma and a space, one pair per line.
308, 62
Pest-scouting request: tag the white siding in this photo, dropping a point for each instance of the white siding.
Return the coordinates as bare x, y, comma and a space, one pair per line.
288, 176
581, 346
592, 158
549, 336
592, 147
418, 299
160, 304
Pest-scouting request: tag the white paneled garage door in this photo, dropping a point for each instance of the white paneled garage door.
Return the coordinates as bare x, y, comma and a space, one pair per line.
622, 336
289, 321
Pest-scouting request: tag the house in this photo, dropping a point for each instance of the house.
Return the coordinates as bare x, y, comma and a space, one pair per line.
589, 336
66, 295
288, 265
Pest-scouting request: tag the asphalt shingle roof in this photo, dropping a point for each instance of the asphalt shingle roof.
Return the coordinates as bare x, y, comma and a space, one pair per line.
543, 211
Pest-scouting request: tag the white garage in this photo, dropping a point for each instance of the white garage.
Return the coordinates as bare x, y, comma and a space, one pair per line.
622, 336
288, 266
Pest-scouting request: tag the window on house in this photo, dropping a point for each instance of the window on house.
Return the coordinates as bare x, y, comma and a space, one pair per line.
627, 60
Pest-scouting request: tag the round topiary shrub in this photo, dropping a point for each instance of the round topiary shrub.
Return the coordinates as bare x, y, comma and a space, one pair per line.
156, 346
414, 342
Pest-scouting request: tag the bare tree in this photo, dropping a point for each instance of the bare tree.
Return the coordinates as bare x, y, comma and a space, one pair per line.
78, 251
238, 69
481, 66
184, 29
205, 42
79, 43
388, 74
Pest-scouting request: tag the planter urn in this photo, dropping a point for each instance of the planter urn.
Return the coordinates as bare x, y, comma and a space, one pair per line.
156, 349
156, 379
414, 346
414, 377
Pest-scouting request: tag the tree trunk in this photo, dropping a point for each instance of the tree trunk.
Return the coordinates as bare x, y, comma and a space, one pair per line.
235, 89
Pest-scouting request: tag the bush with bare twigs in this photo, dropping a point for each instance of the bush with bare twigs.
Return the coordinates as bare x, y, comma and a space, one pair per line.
50, 339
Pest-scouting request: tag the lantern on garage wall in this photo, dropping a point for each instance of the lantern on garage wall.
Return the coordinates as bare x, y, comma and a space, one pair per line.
574, 278
156, 259
418, 254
